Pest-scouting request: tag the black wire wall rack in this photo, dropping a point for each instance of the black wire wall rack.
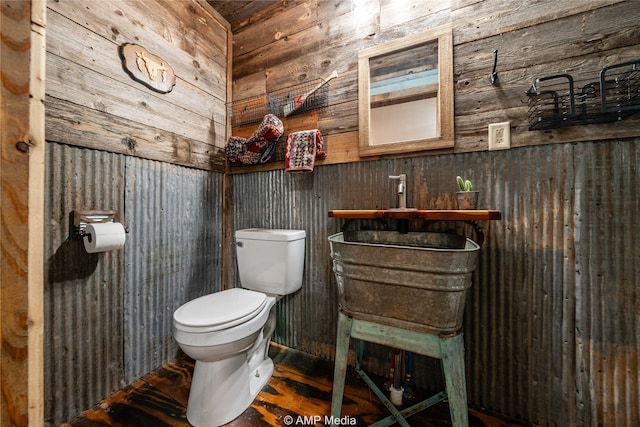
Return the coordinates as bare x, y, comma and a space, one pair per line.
554, 101
296, 99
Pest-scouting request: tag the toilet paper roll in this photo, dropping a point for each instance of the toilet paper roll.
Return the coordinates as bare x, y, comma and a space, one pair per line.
101, 237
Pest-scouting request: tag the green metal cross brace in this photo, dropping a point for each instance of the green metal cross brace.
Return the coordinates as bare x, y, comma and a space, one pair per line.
449, 349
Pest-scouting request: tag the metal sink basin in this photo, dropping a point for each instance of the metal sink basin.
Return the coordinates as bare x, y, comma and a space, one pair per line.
415, 280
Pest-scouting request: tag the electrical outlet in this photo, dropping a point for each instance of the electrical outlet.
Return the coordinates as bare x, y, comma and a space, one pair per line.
499, 136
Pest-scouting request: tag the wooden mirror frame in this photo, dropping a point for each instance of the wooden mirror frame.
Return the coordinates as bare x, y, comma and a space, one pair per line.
444, 123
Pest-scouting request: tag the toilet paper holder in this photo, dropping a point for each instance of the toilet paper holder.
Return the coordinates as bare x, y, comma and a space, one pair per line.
82, 218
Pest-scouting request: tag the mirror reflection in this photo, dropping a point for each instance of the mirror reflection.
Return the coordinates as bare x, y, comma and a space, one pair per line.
406, 94
403, 92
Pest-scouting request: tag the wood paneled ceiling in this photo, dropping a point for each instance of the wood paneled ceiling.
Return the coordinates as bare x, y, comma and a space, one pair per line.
235, 12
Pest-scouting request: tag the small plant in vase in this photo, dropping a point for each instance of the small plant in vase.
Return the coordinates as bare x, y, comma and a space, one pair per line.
466, 197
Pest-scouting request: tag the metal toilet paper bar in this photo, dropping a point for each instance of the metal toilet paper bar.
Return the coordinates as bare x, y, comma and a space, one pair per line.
82, 218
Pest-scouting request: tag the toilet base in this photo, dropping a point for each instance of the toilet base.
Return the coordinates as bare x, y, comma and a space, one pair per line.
213, 403
260, 377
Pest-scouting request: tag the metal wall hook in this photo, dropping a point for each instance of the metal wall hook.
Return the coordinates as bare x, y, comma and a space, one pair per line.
493, 77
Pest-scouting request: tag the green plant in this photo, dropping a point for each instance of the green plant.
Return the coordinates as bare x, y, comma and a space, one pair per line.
464, 185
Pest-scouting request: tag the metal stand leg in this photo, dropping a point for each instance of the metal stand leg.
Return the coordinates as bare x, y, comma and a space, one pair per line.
449, 349
340, 368
454, 376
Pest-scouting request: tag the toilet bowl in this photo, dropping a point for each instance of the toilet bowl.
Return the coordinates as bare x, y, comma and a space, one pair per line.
228, 333
222, 342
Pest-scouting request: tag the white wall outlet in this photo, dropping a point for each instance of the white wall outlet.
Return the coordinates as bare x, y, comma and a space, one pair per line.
499, 136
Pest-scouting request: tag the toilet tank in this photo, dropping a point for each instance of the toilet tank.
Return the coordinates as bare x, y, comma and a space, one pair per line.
270, 261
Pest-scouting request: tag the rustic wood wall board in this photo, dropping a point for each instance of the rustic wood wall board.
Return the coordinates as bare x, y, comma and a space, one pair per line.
472, 135
232, 11
241, 13
341, 143
293, 73
22, 31
336, 52
95, 91
531, 39
473, 94
525, 48
329, 10
520, 65
283, 51
336, 40
273, 29
170, 36
264, 13
92, 51
340, 117
343, 90
184, 24
172, 21
37, 93
187, 124
249, 86
126, 137
349, 31
392, 16
476, 20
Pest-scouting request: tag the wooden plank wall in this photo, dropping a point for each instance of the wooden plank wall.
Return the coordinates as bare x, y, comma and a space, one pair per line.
22, 27
92, 102
310, 38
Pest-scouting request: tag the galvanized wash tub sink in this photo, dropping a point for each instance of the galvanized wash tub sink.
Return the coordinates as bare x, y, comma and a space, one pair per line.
415, 280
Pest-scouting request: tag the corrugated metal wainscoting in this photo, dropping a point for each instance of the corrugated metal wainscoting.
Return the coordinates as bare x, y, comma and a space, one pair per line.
108, 316
552, 325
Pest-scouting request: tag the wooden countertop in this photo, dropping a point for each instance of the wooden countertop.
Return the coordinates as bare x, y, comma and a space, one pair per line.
426, 214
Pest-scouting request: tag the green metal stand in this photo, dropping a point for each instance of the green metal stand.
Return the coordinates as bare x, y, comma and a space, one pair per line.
449, 349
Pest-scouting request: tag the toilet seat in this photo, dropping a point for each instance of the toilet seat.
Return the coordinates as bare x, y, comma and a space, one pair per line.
220, 310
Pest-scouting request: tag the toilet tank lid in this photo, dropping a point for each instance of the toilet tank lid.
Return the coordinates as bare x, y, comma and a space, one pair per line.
273, 235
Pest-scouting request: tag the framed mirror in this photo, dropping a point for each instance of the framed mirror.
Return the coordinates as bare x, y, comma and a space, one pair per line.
405, 94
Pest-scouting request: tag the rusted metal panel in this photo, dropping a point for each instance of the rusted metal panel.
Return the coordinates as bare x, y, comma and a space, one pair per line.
607, 271
83, 292
551, 325
306, 319
109, 315
173, 254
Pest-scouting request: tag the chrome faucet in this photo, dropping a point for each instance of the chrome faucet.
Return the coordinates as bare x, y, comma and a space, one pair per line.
402, 190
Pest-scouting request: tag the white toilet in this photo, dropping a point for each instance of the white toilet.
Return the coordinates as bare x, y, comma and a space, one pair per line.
228, 332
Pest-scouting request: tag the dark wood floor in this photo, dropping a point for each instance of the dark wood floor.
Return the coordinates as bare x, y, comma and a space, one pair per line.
301, 386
